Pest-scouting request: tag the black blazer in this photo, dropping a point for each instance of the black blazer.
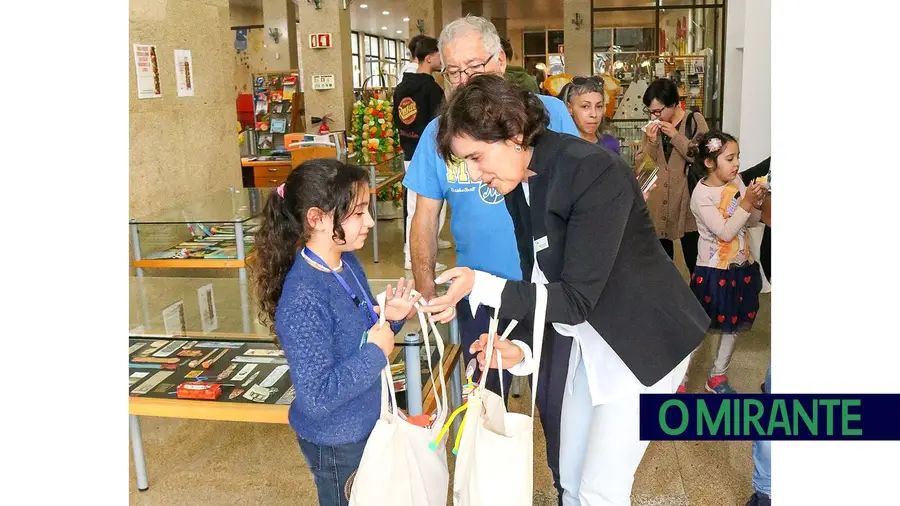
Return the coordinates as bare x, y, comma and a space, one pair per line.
604, 262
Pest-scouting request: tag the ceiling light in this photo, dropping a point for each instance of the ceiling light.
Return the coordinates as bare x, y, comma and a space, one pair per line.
385, 12
363, 6
405, 19
399, 31
384, 28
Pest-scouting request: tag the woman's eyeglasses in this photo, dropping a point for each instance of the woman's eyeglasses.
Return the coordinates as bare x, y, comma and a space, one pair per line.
654, 112
454, 76
580, 81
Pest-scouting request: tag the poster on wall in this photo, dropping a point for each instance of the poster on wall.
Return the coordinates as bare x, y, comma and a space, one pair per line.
184, 73
146, 69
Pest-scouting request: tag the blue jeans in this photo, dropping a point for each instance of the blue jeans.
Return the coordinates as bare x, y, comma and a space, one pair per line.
332, 467
762, 454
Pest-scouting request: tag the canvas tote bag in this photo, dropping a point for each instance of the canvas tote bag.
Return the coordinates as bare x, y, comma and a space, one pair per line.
398, 466
495, 462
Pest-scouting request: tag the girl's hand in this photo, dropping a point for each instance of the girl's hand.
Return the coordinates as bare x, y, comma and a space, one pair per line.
399, 303
443, 308
511, 353
754, 195
668, 128
383, 337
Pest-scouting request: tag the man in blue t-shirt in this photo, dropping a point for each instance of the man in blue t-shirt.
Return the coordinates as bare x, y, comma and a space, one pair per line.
481, 226
468, 46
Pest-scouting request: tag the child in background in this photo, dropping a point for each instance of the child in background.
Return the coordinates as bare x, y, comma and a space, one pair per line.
727, 280
313, 293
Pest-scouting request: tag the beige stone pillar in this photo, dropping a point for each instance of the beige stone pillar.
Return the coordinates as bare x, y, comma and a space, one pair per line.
334, 19
428, 11
473, 7
280, 15
578, 54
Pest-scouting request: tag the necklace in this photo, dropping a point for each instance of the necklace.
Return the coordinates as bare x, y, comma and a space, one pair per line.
317, 265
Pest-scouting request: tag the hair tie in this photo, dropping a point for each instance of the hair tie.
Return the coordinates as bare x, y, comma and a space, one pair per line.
280, 190
714, 144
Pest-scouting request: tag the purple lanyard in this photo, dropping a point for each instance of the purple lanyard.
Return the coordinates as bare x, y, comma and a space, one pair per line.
366, 307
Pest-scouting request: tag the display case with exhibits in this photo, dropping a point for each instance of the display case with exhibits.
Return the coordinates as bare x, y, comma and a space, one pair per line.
212, 232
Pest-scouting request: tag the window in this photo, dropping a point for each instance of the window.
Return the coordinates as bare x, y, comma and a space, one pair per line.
354, 50
373, 55
390, 59
404, 52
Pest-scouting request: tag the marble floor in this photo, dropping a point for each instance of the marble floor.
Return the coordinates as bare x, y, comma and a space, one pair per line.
192, 462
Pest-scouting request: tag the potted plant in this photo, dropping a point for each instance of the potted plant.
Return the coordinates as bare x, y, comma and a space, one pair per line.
390, 202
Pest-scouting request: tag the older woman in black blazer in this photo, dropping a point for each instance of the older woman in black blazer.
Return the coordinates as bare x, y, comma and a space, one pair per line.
623, 320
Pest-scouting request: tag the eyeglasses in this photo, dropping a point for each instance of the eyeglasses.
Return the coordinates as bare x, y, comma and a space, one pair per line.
454, 76
654, 112
580, 81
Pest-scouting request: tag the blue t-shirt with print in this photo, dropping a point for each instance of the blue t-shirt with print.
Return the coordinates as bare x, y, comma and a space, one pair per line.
481, 226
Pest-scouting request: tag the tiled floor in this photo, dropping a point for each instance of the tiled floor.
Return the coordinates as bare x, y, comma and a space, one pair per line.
203, 462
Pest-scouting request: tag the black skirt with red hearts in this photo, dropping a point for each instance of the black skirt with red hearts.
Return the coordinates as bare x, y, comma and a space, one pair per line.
730, 296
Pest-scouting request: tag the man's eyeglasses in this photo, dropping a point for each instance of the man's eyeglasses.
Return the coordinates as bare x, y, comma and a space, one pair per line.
454, 76
654, 112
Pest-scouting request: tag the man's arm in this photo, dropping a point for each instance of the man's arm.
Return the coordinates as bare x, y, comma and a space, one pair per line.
423, 244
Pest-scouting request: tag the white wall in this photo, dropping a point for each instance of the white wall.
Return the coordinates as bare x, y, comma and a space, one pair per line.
748, 75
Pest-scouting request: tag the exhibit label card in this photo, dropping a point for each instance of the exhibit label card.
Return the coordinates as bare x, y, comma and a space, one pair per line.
173, 318
207, 301
184, 73
146, 69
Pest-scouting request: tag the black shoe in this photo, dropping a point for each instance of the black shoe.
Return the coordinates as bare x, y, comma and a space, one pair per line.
758, 499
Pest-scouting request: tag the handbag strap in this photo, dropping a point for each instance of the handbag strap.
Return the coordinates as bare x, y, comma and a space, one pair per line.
540, 315
389, 394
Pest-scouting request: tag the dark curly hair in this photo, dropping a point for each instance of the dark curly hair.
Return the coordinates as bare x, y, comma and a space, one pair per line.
700, 152
491, 109
326, 184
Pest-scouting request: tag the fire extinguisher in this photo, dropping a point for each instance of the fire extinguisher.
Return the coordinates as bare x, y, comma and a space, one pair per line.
323, 126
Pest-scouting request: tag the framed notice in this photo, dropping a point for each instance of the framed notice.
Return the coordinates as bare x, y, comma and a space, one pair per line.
184, 73
146, 69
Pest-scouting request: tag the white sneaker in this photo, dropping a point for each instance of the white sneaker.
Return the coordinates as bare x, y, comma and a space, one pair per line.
442, 244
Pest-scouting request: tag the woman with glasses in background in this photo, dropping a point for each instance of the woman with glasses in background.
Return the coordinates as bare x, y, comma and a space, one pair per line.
586, 101
666, 140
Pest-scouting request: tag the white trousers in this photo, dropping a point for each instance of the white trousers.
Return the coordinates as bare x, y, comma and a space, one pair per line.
411, 209
600, 446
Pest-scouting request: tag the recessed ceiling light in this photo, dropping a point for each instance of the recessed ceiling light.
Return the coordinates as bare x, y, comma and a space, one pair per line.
363, 6
405, 19
399, 31
384, 28
385, 12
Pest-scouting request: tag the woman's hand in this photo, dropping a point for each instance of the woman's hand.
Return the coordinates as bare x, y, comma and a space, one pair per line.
511, 353
668, 128
652, 130
754, 196
443, 308
647, 193
383, 337
399, 303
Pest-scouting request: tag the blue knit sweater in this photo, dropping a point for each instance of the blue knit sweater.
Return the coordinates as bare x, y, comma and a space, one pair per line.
337, 381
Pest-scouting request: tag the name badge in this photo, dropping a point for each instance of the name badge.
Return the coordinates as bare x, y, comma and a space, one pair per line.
541, 244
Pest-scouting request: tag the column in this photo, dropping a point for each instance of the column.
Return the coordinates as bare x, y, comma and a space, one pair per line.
427, 11
280, 15
578, 55
334, 19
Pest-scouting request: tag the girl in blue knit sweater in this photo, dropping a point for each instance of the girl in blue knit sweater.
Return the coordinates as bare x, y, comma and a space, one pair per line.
313, 293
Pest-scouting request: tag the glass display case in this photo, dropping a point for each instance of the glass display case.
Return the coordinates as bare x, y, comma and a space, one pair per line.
196, 349
209, 233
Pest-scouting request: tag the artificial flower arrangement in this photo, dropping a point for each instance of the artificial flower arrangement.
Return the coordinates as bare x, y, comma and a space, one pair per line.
392, 194
374, 136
